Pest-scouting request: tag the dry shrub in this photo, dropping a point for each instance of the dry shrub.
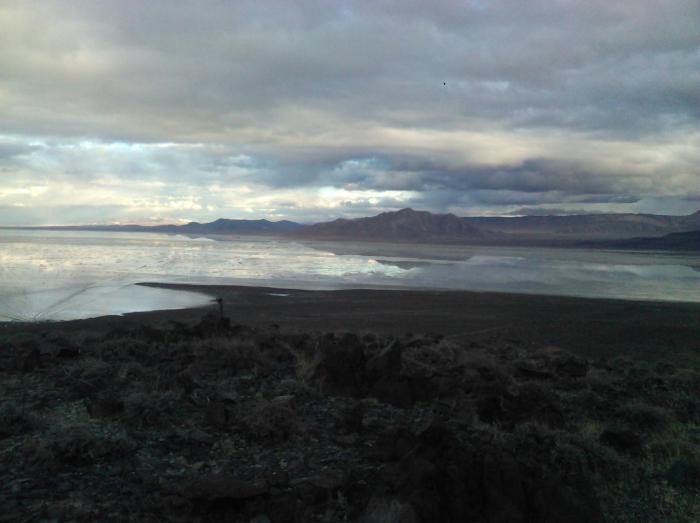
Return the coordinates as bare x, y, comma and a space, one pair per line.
134, 371
307, 355
76, 446
685, 472
230, 356
89, 375
119, 349
549, 352
645, 417
482, 364
600, 380
150, 409
272, 421
567, 454
427, 360
15, 421
292, 387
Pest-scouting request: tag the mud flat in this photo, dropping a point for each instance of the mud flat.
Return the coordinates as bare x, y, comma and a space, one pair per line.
590, 327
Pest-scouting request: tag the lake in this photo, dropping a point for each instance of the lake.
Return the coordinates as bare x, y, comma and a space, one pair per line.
58, 275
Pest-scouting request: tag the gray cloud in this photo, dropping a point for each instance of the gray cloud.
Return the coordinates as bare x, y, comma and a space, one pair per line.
220, 108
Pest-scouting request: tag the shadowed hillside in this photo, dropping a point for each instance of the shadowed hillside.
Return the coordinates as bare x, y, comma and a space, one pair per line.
587, 226
677, 241
220, 226
404, 225
213, 422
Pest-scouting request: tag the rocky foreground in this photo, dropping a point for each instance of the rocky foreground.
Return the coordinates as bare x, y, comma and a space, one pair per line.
212, 422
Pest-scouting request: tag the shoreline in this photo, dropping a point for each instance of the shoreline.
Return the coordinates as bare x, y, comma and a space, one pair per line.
583, 243
591, 327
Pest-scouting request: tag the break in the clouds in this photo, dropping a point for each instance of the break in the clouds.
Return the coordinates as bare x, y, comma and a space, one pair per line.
160, 111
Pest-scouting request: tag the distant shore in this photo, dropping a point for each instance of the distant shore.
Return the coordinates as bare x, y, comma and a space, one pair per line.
408, 226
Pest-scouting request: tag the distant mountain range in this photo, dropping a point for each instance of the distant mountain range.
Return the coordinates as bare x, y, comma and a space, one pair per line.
676, 241
220, 226
624, 231
405, 225
588, 226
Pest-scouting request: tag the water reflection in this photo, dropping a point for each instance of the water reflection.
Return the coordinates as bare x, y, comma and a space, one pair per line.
91, 300
49, 275
408, 264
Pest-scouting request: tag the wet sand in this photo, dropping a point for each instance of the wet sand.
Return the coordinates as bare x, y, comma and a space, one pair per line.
591, 327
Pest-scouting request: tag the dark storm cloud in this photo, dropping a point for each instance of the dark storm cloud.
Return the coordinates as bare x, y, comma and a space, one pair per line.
229, 108
531, 176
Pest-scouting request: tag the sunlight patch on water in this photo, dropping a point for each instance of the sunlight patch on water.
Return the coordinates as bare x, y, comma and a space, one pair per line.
61, 275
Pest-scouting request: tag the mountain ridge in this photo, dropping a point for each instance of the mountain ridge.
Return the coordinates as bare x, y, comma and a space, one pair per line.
589, 226
409, 225
675, 241
219, 226
403, 225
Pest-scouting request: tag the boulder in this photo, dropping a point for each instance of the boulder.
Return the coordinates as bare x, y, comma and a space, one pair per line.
383, 373
340, 365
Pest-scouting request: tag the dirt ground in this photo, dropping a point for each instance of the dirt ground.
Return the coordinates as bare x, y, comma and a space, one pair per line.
593, 328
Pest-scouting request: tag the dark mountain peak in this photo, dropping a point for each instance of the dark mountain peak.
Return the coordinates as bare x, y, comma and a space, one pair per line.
409, 212
412, 214
229, 226
229, 221
403, 225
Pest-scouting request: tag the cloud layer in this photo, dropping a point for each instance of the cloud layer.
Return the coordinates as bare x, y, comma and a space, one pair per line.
154, 111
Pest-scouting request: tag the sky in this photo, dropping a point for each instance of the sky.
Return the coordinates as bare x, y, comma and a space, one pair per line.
160, 111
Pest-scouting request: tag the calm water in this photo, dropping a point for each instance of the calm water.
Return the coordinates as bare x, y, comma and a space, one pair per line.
63, 275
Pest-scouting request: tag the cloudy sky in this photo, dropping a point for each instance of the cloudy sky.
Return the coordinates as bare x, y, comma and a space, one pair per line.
155, 111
